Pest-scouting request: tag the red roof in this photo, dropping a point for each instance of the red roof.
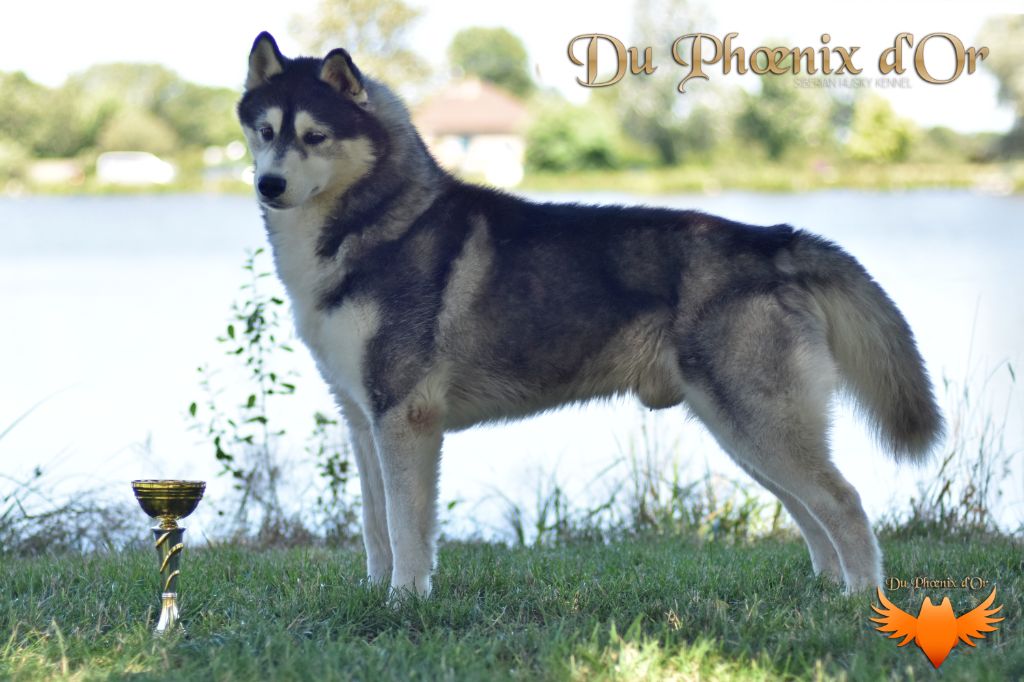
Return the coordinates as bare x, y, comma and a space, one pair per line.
471, 107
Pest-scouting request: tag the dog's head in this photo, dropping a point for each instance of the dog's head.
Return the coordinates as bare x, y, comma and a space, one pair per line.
308, 123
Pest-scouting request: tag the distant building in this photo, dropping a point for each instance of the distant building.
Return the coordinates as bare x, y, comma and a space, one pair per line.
476, 129
133, 168
56, 172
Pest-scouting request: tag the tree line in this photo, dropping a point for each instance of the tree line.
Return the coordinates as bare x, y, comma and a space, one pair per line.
107, 107
638, 123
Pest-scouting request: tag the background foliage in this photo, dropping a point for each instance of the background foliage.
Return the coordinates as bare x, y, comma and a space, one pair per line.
373, 31
641, 123
495, 55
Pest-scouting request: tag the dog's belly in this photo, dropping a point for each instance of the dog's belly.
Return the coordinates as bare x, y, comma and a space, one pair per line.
337, 339
480, 399
639, 358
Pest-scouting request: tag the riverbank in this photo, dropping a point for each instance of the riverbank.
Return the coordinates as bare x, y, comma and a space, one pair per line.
992, 178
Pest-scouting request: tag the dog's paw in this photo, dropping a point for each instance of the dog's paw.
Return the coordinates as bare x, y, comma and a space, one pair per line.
418, 584
857, 585
401, 596
832, 573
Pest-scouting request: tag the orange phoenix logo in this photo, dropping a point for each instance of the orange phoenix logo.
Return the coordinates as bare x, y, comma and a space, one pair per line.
936, 630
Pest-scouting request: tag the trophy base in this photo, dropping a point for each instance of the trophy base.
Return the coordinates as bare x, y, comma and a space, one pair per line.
168, 615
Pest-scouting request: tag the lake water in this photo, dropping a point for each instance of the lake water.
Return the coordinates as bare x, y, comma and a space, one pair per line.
108, 305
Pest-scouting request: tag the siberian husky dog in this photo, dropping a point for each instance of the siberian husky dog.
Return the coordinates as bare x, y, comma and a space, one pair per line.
431, 305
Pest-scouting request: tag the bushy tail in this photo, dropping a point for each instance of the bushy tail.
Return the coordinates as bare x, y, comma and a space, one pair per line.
874, 349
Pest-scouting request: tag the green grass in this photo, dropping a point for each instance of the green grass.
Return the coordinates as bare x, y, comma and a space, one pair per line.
645, 608
761, 176
795, 177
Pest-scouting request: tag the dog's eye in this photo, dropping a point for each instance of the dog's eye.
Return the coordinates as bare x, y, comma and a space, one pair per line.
267, 133
313, 139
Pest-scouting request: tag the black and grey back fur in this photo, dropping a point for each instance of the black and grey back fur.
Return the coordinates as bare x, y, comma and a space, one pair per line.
431, 305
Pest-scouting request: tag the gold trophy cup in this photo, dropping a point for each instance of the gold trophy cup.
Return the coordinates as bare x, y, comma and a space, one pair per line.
168, 501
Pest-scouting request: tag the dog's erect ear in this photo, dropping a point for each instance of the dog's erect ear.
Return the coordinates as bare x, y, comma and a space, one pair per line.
265, 61
341, 73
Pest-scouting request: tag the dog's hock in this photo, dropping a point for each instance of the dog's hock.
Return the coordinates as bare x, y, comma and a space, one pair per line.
265, 61
423, 417
341, 73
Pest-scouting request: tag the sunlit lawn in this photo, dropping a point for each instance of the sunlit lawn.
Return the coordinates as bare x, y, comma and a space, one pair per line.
637, 609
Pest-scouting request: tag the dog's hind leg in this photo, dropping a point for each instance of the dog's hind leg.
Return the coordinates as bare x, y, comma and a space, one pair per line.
835, 504
764, 389
824, 560
790, 457
371, 482
409, 442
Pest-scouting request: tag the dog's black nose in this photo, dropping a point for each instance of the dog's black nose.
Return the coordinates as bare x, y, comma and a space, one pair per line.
271, 186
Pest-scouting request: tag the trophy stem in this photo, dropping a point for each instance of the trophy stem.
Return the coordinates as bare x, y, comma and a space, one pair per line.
168, 548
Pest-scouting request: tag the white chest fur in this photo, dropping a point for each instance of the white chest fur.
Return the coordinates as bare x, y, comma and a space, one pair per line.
337, 338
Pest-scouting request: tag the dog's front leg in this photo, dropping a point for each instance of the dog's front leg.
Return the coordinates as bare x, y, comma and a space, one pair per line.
375, 522
409, 445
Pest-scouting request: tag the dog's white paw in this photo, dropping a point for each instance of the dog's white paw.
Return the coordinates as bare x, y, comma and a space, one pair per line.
411, 582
